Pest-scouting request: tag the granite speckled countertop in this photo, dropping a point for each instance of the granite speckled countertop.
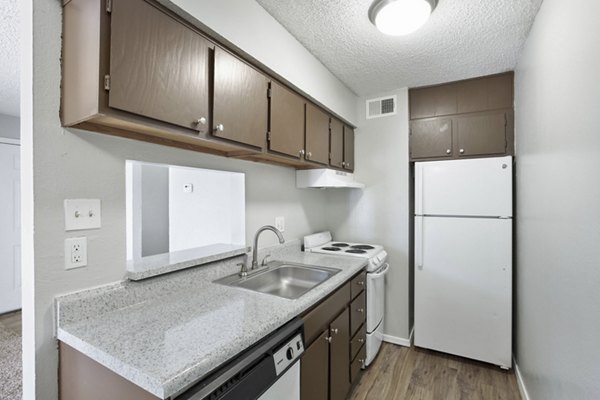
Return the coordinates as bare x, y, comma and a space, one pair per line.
165, 333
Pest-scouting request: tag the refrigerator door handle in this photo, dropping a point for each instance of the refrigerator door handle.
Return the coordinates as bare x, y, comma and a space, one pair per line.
419, 188
419, 243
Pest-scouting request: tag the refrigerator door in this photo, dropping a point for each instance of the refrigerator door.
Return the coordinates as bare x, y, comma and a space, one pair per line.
476, 187
463, 287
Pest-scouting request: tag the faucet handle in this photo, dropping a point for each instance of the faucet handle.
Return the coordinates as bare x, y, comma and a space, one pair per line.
244, 270
264, 261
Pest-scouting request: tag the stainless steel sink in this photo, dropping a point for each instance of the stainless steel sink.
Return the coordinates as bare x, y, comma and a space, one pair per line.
288, 280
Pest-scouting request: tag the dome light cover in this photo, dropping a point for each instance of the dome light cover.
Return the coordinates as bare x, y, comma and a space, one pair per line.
400, 17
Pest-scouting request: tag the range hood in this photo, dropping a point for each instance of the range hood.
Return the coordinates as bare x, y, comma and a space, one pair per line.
325, 178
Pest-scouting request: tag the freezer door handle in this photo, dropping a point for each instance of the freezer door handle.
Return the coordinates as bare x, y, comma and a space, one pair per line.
419, 242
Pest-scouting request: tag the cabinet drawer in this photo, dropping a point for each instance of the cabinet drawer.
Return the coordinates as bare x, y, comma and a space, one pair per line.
357, 313
316, 320
357, 364
357, 284
358, 341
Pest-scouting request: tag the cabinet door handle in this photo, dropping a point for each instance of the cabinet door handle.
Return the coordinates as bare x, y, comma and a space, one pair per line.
360, 310
348, 165
219, 128
448, 151
301, 152
462, 151
327, 339
335, 331
308, 155
200, 121
343, 164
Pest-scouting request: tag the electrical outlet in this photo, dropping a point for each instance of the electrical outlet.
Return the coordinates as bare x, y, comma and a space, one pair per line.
280, 223
75, 252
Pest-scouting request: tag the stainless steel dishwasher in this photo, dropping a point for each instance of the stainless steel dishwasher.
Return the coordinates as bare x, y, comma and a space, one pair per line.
269, 370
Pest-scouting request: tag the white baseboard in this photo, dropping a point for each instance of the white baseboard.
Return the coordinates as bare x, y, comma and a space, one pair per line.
398, 340
520, 382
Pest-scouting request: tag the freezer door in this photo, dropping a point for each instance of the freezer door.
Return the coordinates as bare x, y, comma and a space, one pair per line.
476, 187
463, 287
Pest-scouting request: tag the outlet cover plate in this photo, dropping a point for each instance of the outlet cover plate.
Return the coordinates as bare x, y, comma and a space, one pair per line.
75, 252
81, 214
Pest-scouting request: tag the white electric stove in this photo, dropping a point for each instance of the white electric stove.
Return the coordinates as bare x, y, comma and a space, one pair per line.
377, 268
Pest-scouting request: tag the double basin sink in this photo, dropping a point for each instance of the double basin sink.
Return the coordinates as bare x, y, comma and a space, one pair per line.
283, 279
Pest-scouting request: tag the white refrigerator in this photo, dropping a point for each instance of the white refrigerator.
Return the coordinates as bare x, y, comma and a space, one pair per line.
463, 258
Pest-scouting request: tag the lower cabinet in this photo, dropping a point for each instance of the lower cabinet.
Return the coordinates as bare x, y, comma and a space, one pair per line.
332, 361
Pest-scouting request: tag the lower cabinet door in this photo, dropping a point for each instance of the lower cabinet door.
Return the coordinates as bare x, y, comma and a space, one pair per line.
314, 369
339, 354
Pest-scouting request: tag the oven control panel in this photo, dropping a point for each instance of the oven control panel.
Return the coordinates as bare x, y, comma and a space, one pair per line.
288, 354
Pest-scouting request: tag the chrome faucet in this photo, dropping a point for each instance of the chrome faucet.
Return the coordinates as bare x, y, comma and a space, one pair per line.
255, 248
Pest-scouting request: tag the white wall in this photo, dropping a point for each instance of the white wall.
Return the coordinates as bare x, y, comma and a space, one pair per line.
214, 212
249, 27
62, 163
558, 203
155, 209
379, 213
9, 126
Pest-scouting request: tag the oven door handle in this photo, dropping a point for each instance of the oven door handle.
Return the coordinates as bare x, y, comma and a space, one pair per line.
382, 271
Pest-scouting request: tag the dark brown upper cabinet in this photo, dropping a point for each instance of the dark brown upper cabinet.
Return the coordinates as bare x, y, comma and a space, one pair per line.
286, 129
433, 101
348, 148
431, 138
490, 93
336, 144
480, 125
241, 107
317, 135
135, 69
482, 134
158, 66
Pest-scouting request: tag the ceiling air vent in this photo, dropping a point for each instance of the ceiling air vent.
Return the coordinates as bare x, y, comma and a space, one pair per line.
381, 107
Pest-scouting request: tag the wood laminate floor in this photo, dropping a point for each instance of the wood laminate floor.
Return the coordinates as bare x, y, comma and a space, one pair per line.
418, 374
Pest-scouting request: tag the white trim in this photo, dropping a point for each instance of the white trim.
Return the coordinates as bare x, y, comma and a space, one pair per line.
520, 382
398, 340
15, 142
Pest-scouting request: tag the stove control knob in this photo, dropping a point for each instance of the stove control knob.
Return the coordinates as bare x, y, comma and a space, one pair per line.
289, 353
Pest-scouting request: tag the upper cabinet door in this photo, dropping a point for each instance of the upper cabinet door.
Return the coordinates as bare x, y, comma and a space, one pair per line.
287, 121
336, 144
489, 93
240, 108
482, 134
431, 138
433, 101
348, 148
317, 135
158, 66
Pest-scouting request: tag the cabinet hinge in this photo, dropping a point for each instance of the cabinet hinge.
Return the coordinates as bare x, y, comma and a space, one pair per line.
268, 136
109, 6
269, 93
106, 82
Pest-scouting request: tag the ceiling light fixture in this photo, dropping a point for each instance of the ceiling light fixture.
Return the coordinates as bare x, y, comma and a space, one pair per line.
400, 17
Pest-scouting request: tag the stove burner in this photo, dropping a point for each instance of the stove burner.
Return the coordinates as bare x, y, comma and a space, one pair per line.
363, 247
356, 251
340, 244
331, 248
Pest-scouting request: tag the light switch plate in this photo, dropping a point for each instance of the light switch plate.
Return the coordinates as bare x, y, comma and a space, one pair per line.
82, 214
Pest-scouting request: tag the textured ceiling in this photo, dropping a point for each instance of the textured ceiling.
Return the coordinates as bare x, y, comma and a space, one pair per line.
462, 39
9, 57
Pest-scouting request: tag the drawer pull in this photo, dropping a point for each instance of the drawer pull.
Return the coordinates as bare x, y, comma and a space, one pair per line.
361, 340
335, 331
361, 283
360, 310
327, 339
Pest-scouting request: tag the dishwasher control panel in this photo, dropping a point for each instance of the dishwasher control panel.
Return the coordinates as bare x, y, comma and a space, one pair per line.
288, 354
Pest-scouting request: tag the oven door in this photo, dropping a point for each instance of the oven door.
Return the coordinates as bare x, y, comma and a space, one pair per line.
376, 297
